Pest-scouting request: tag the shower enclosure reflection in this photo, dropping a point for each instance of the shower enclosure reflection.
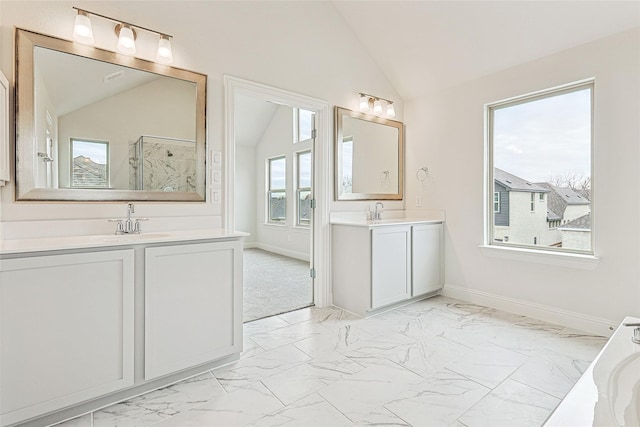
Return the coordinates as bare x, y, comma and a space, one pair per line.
162, 164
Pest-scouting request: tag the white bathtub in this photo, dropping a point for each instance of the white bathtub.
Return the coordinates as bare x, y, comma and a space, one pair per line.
608, 393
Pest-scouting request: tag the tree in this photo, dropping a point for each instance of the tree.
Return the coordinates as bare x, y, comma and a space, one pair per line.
576, 181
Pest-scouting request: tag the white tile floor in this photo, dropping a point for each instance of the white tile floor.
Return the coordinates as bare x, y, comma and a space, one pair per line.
438, 362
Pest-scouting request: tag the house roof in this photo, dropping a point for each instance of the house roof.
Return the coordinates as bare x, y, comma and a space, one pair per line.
559, 198
582, 223
514, 183
553, 216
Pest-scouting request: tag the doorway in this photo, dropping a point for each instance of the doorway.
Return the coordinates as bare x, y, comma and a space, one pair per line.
271, 140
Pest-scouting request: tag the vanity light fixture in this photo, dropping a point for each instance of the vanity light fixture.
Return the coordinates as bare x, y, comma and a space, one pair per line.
373, 104
126, 32
126, 39
82, 30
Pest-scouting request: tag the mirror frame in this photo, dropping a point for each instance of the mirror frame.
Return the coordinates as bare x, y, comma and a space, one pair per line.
338, 120
25, 42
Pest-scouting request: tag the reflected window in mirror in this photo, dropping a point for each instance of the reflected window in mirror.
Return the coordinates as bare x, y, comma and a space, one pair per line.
89, 163
277, 190
303, 191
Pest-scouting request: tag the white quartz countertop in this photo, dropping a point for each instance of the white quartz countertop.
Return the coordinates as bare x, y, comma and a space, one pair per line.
608, 393
384, 222
105, 240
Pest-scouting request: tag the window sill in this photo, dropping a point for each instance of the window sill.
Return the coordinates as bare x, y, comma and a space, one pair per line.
275, 225
571, 260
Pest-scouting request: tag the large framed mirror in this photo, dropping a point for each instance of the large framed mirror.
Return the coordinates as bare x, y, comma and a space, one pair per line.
94, 125
369, 156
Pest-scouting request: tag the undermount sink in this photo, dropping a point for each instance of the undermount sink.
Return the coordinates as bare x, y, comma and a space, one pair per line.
133, 237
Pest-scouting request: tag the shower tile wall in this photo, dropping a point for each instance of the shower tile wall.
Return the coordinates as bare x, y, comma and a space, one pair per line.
168, 166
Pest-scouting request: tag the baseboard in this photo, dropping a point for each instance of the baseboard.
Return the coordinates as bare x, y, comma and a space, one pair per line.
250, 245
571, 319
286, 252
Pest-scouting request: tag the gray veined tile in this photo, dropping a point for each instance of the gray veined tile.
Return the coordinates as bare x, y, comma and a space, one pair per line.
287, 335
81, 421
381, 381
438, 400
381, 417
310, 411
332, 341
263, 325
310, 377
238, 408
160, 404
510, 404
551, 372
250, 348
247, 371
489, 365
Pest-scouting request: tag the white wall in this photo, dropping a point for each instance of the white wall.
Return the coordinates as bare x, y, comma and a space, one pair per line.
525, 225
276, 141
445, 132
303, 47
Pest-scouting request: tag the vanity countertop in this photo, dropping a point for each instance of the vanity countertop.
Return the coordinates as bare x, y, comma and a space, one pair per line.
384, 222
24, 246
608, 393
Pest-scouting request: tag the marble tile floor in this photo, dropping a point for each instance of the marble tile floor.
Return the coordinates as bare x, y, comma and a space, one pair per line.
437, 362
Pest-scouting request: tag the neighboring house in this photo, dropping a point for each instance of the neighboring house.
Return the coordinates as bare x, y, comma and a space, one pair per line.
89, 174
564, 204
576, 234
520, 210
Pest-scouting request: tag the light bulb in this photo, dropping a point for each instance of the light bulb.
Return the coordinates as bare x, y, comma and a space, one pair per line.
126, 40
82, 31
377, 107
164, 55
364, 102
391, 112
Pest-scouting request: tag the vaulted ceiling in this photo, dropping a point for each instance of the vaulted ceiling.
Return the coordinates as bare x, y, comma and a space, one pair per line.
425, 46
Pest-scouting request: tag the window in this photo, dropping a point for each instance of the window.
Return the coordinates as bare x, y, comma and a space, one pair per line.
89, 163
303, 182
539, 149
305, 124
533, 202
277, 190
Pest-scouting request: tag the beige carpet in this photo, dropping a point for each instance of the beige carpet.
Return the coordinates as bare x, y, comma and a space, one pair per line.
274, 284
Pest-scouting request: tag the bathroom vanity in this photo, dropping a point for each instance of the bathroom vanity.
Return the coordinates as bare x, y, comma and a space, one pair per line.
96, 319
379, 264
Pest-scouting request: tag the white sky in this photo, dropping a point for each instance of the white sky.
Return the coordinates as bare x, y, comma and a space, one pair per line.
95, 151
545, 138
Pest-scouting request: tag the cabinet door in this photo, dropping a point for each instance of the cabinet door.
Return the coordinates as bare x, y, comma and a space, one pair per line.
390, 265
427, 258
67, 330
193, 307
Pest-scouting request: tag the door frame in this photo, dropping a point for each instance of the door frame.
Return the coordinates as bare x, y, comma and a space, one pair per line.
320, 253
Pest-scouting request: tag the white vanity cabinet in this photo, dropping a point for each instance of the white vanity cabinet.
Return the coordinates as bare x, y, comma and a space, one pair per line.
377, 265
91, 320
427, 257
67, 330
189, 305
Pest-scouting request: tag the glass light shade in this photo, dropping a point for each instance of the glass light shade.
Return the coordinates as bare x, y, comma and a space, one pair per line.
164, 55
82, 31
391, 111
377, 107
364, 103
126, 41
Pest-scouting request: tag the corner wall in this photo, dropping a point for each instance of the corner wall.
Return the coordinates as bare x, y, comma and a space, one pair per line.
445, 132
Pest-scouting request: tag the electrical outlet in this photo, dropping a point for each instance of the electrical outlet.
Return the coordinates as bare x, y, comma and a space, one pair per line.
418, 201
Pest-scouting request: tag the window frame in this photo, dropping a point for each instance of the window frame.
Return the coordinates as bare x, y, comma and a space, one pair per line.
270, 191
296, 125
107, 165
532, 203
496, 202
299, 189
489, 109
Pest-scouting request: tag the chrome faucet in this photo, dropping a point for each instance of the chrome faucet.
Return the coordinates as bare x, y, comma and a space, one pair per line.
130, 225
377, 216
636, 332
